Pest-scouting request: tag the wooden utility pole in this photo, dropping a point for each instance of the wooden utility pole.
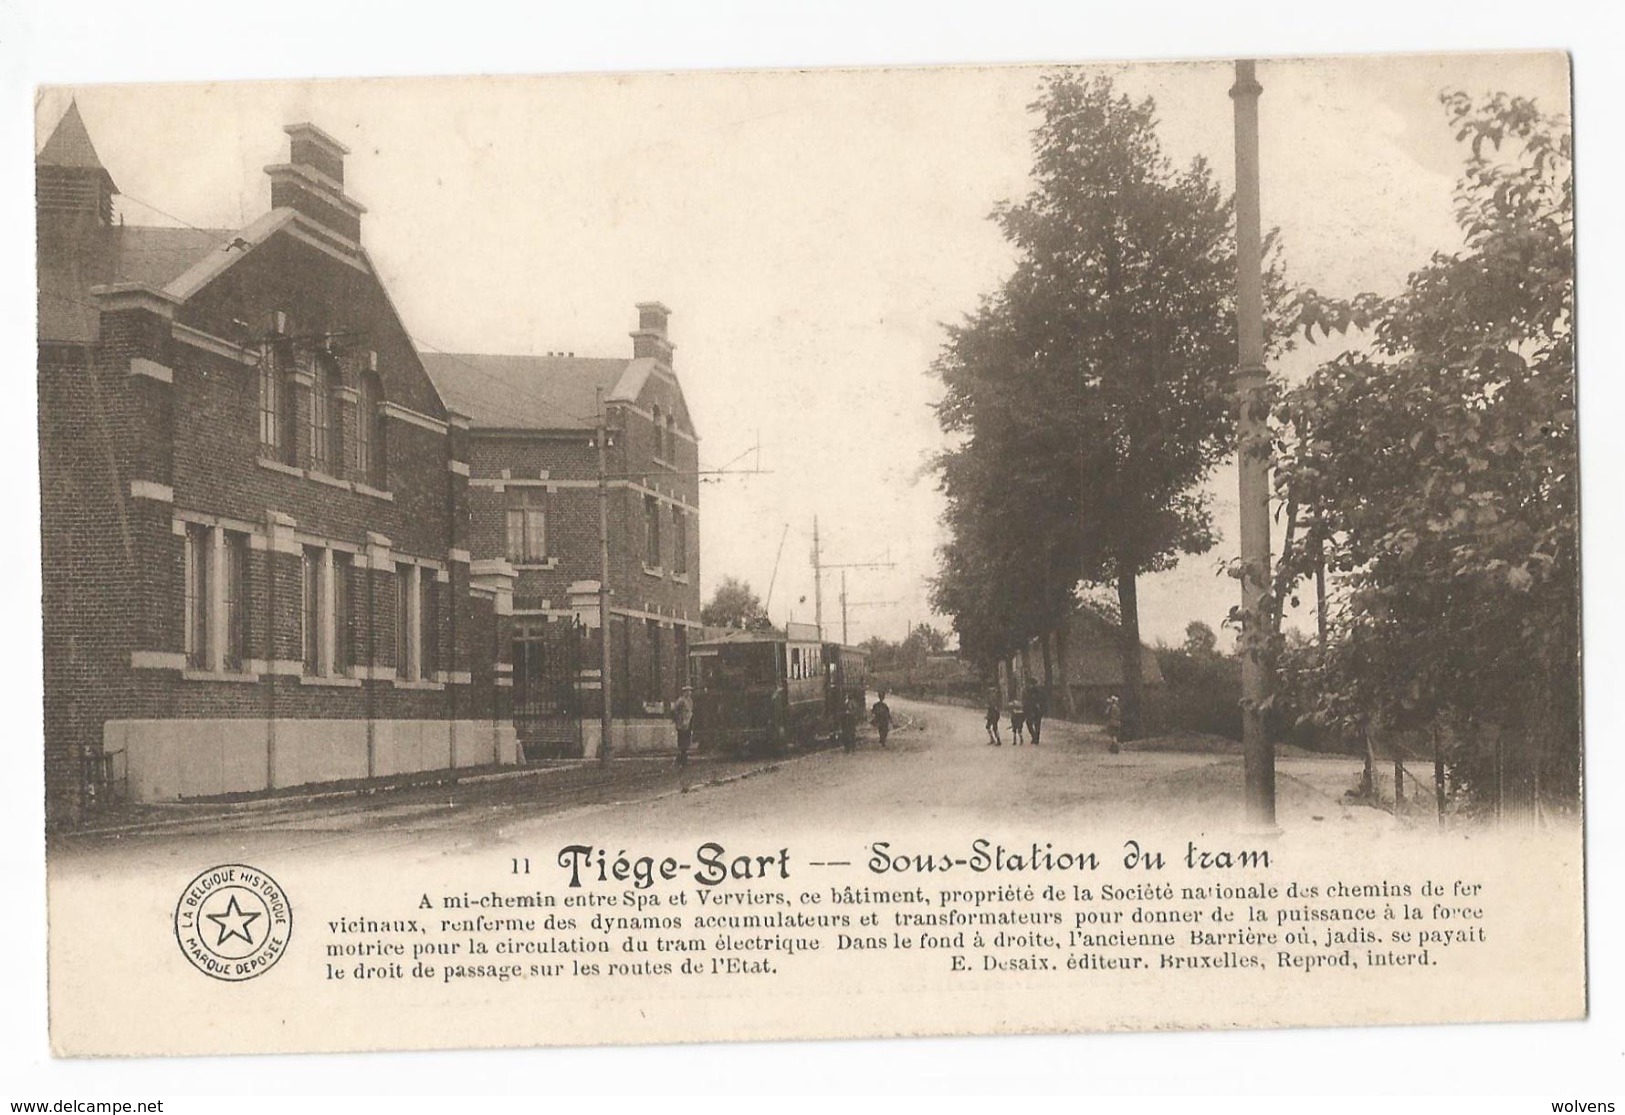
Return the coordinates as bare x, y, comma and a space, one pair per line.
818, 584
1252, 457
606, 715
818, 581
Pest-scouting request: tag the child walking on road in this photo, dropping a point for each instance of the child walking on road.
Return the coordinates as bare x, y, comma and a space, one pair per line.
880, 716
1018, 717
995, 707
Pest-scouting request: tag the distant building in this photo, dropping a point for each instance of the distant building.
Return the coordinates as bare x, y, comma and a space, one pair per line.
534, 516
254, 503
1093, 668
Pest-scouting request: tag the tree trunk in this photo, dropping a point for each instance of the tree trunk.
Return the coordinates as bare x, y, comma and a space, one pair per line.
1010, 676
1062, 696
1133, 695
1026, 663
1049, 669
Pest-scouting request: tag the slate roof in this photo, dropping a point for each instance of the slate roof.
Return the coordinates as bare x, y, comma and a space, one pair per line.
70, 146
129, 253
533, 392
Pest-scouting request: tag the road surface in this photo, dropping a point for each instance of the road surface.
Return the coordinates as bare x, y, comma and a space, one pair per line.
938, 770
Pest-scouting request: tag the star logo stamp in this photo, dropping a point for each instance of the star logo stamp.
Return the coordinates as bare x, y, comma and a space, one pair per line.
233, 922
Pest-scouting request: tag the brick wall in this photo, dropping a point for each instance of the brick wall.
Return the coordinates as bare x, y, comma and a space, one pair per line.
113, 561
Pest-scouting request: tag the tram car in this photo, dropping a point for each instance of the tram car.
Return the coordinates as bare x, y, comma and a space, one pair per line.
766, 691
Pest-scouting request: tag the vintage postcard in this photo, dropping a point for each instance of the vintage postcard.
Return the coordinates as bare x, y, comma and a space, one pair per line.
726, 556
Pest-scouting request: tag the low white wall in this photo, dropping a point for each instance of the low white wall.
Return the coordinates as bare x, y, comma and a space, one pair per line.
168, 760
631, 737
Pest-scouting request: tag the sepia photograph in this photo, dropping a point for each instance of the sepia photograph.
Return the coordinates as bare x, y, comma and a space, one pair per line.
762, 554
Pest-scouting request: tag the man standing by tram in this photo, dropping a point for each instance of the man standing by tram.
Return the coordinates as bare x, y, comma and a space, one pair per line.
682, 715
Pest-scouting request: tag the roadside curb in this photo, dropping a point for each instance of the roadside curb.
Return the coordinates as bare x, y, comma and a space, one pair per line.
198, 812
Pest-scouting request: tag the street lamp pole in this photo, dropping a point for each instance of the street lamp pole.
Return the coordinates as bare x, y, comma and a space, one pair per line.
605, 714
1252, 458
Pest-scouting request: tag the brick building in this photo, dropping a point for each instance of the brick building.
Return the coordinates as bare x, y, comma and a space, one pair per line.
534, 503
255, 505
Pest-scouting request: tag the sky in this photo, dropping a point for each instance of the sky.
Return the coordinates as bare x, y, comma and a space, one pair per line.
813, 231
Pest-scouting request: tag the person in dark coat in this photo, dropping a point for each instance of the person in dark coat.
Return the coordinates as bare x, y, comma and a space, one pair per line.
880, 716
1036, 701
849, 722
995, 709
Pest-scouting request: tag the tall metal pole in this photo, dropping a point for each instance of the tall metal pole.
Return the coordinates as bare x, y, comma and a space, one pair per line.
1252, 457
818, 584
605, 715
843, 608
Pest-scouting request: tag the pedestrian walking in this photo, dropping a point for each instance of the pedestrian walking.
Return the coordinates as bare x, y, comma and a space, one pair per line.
1018, 717
1114, 722
995, 708
682, 716
1036, 701
880, 717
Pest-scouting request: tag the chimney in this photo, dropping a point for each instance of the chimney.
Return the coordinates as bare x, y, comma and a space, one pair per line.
649, 338
312, 183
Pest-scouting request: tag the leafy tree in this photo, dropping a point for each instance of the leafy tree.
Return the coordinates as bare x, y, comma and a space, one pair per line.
1200, 640
1439, 476
733, 604
1092, 391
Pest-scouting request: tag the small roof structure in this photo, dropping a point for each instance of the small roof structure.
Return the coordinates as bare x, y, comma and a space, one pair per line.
69, 147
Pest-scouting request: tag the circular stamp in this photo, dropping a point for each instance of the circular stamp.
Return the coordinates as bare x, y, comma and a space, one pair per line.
233, 922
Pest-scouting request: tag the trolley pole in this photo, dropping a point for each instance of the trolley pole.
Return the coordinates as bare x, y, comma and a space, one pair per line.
1252, 458
605, 713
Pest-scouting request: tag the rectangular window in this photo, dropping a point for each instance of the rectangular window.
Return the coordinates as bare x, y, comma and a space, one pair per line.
197, 597
321, 415
310, 610
527, 524
651, 530
655, 691
429, 623
235, 598
405, 605
343, 614
366, 430
679, 541
271, 403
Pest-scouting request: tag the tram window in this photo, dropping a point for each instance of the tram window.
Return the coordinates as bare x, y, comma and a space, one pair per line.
795, 662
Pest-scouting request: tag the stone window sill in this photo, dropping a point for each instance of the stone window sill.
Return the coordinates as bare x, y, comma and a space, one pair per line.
545, 564
680, 578
336, 680
375, 493
277, 466
357, 486
189, 674
430, 685
330, 481
667, 465
653, 570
